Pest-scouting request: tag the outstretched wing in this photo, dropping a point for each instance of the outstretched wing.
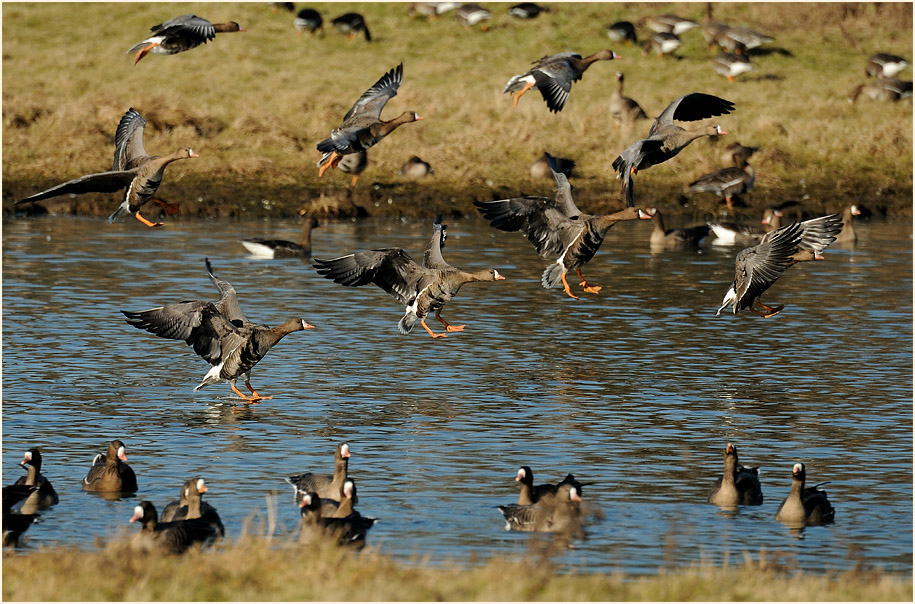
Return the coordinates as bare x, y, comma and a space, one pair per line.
692, 107
538, 218
375, 98
391, 269
432, 256
191, 26
188, 321
564, 199
228, 301
760, 266
100, 182
128, 140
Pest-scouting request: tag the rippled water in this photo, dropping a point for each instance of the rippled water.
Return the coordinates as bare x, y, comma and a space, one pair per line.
637, 390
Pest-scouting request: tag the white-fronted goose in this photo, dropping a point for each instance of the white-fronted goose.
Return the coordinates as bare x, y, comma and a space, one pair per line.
219, 333
727, 182
553, 75
355, 164
623, 109
416, 168
422, 289
431, 10
711, 29
622, 31
558, 514
286, 6
741, 39
848, 235
736, 154
180, 34
805, 506
16, 523
308, 20
326, 486
362, 125
280, 248
669, 24
110, 473
882, 89
44, 495
738, 485
194, 507
666, 139
883, 65
730, 233
350, 24
556, 227
469, 15
176, 536
527, 10
133, 168
529, 493
541, 166
662, 44
759, 267
730, 65
680, 237
350, 530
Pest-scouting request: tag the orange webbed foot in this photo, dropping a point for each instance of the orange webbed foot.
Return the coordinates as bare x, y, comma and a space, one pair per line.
147, 222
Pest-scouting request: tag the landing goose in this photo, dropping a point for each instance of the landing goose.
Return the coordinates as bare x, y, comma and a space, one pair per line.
556, 227
805, 506
884, 65
558, 514
759, 267
553, 75
280, 248
422, 289
623, 109
666, 139
180, 34
327, 486
680, 237
110, 473
362, 125
44, 495
176, 536
727, 182
738, 485
219, 333
133, 168
350, 24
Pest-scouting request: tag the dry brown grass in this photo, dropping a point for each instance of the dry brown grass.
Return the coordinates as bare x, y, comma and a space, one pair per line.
254, 104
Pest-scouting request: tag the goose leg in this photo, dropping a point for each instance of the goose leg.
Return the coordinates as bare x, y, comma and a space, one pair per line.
730, 78
770, 311
527, 87
353, 184
144, 51
330, 163
591, 289
565, 286
242, 394
170, 209
147, 222
448, 326
256, 396
431, 333
730, 203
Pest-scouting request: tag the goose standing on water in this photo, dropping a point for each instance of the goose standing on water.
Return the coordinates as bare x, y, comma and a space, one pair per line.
280, 248
110, 473
133, 168
738, 485
557, 227
362, 125
553, 75
180, 34
666, 139
326, 485
805, 506
350, 24
219, 333
759, 267
623, 109
44, 495
727, 182
422, 288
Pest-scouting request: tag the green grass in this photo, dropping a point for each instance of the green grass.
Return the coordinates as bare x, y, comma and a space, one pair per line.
254, 105
255, 569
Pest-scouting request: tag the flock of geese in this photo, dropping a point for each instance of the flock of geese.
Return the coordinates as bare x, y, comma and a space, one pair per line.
220, 333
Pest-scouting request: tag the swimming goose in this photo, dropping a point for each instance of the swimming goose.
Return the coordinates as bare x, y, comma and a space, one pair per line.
727, 182
882, 89
132, 168
738, 485
730, 65
362, 125
681, 237
280, 248
350, 530
327, 486
350, 24
190, 505
541, 166
416, 168
469, 15
529, 493
758, 268
557, 227
219, 333
176, 536
422, 289
805, 506
308, 20
527, 10
44, 495
668, 24
558, 514
553, 75
622, 108
736, 154
355, 164
666, 139
663, 44
110, 472
847, 235
729, 233
622, 31
883, 65
16, 523
180, 34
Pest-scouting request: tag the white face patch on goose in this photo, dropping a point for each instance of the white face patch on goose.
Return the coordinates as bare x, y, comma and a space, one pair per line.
27, 456
306, 501
573, 494
521, 474
201, 486
348, 487
344, 450
137, 513
122, 454
798, 467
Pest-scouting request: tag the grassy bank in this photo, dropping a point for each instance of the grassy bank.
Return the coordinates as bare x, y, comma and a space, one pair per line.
252, 570
254, 105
